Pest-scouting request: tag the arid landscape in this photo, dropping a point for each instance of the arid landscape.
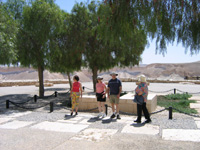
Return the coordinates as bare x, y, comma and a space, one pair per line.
157, 71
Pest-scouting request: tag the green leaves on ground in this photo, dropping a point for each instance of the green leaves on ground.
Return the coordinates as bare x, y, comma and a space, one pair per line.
178, 101
184, 96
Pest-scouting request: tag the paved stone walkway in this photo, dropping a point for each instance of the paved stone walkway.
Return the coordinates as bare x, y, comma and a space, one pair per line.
89, 127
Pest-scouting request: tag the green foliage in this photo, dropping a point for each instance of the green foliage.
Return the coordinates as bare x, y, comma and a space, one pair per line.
184, 96
163, 20
180, 104
39, 23
8, 30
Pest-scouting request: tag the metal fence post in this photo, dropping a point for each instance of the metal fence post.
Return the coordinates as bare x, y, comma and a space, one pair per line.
7, 104
174, 90
56, 93
35, 98
106, 109
170, 113
83, 88
51, 107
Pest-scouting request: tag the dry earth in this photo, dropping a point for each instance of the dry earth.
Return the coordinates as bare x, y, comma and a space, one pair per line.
156, 71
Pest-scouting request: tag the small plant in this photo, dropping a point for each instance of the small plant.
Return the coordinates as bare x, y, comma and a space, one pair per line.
184, 96
178, 101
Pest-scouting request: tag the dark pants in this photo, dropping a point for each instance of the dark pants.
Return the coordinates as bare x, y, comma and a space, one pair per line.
143, 108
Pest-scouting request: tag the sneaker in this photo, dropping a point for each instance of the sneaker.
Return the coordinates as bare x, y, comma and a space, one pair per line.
148, 121
118, 117
99, 115
104, 115
76, 113
113, 116
137, 121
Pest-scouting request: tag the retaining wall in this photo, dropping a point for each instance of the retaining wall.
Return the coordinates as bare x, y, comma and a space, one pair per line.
126, 103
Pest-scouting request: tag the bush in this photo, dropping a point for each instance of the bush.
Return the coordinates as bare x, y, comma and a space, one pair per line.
184, 96
180, 104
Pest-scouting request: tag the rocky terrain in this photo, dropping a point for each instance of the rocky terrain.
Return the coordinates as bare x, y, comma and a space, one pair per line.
152, 71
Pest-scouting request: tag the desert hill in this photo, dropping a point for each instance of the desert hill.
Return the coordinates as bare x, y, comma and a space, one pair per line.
153, 71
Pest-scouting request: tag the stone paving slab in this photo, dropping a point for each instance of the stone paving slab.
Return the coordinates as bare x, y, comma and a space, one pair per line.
14, 114
15, 124
59, 127
3, 120
196, 119
85, 121
198, 124
141, 129
194, 105
95, 135
181, 135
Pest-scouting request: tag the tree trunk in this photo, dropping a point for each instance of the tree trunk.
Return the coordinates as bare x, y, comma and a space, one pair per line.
94, 77
41, 81
69, 78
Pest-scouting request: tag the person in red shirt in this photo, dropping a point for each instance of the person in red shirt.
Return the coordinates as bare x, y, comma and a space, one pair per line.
101, 96
76, 92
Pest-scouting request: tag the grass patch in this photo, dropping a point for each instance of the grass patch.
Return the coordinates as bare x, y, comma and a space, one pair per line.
178, 101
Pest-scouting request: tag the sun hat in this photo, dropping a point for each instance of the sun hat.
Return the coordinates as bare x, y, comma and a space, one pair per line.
99, 78
114, 73
142, 78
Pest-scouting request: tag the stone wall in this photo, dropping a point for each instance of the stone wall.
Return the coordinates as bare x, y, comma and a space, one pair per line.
126, 103
30, 82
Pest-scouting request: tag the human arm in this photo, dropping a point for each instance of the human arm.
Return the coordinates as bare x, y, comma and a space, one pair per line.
108, 92
71, 91
120, 90
81, 89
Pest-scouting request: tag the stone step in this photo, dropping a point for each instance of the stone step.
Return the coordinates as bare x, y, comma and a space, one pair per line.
195, 105
181, 135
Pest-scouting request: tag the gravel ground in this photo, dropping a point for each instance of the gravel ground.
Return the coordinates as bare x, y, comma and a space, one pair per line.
180, 121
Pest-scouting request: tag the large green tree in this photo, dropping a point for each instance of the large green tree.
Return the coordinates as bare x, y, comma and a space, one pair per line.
164, 20
38, 24
101, 54
68, 44
8, 30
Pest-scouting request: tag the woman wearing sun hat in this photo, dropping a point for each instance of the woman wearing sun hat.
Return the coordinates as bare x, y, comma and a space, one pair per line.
101, 96
142, 89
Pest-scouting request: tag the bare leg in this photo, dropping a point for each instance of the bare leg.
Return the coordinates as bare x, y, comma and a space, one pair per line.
103, 106
113, 107
117, 108
76, 108
99, 106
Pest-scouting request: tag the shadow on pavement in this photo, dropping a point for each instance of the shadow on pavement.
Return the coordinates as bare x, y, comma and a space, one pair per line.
137, 125
56, 89
109, 120
94, 119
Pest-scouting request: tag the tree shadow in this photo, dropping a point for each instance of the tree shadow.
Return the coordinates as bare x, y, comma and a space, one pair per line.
56, 89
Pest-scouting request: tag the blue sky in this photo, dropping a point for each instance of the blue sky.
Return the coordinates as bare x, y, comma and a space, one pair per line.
175, 53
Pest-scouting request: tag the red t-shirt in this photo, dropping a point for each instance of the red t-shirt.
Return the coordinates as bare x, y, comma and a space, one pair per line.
76, 87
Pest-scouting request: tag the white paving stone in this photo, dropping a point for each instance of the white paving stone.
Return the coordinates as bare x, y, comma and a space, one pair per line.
15, 124
194, 105
75, 118
95, 135
16, 114
85, 121
181, 135
196, 119
3, 120
198, 124
59, 127
68, 121
137, 129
